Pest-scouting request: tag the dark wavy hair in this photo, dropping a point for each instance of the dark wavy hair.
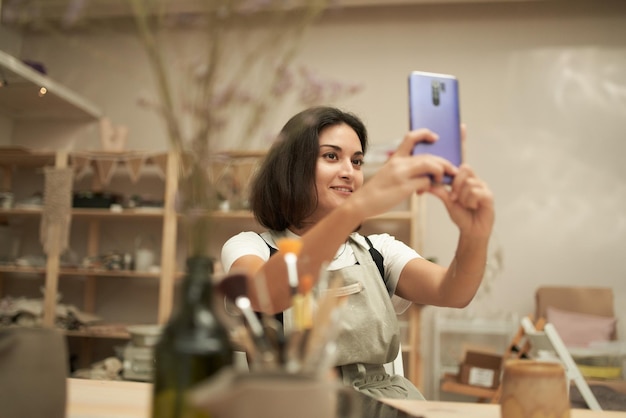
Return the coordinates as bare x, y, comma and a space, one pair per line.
283, 192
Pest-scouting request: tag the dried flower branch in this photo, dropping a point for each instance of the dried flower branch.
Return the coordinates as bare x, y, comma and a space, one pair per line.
240, 74
221, 73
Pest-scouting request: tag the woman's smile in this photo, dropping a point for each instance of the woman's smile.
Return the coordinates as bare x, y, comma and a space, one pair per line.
346, 190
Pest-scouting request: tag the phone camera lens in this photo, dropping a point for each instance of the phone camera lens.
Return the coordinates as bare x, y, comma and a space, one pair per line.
435, 88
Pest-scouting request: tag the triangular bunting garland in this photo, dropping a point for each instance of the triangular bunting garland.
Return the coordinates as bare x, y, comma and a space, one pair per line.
135, 164
106, 168
80, 165
160, 161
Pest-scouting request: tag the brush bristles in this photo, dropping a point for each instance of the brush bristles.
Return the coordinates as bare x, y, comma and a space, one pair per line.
289, 245
234, 286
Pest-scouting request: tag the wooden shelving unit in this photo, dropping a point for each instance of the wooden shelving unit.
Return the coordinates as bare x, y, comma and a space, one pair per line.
452, 335
406, 217
53, 271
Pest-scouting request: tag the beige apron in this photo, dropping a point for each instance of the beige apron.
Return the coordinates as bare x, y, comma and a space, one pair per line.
370, 335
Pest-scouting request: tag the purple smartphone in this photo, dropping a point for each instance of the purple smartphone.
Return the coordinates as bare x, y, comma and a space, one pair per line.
434, 104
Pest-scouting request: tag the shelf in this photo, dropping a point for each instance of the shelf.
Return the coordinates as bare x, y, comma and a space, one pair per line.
236, 215
108, 273
88, 212
20, 212
124, 213
22, 270
112, 334
84, 272
20, 98
118, 335
23, 157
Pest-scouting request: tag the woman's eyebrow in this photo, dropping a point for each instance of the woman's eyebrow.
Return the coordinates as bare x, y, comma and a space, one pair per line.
338, 148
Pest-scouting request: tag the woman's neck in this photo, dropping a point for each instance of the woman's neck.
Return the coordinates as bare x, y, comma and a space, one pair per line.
299, 231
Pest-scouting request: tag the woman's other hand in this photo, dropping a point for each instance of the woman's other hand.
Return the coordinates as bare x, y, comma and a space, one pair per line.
469, 200
404, 174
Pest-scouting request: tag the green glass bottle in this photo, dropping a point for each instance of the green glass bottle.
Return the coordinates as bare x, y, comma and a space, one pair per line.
193, 346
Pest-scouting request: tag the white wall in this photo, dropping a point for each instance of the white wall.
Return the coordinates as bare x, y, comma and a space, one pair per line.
543, 92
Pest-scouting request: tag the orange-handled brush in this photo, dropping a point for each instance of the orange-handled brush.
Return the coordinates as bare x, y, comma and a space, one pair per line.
290, 248
289, 245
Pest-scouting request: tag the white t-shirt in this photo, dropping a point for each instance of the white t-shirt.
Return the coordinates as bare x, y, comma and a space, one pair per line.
395, 254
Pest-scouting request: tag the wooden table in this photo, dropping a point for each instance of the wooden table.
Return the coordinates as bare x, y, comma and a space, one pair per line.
108, 399
432, 409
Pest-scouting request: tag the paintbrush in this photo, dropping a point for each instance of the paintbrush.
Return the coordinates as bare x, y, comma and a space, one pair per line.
234, 287
290, 248
302, 324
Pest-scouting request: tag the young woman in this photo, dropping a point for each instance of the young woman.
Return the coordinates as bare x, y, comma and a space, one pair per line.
311, 186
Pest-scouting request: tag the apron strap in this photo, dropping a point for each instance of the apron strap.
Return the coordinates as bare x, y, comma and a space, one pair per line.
379, 260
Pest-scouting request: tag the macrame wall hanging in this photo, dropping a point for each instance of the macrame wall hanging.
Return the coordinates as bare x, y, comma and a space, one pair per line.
57, 208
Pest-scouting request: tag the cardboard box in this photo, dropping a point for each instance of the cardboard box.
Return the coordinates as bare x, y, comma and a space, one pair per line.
481, 369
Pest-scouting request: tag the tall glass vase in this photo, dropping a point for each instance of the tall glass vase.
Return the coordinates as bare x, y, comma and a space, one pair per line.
196, 200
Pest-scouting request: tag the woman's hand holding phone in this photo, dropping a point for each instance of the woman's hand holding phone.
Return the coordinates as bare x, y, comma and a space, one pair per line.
434, 104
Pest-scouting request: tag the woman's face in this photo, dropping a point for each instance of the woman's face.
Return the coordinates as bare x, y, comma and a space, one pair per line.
339, 168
